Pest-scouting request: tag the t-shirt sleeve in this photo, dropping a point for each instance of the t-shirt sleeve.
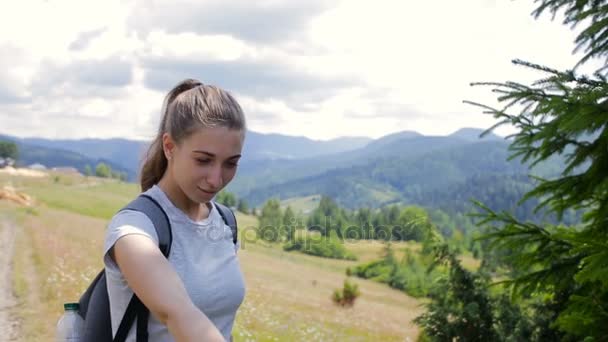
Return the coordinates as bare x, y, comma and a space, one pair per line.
125, 223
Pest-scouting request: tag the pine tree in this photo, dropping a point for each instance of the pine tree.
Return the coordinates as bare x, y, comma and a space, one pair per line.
461, 308
103, 170
565, 113
87, 170
242, 206
290, 223
271, 227
9, 149
327, 217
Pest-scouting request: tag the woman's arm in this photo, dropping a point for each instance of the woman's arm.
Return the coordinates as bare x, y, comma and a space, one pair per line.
154, 281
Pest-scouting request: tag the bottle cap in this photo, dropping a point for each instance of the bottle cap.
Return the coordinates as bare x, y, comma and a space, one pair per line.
71, 306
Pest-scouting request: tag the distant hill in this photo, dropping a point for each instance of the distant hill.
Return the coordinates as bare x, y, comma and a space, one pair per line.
404, 167
262, 173
128, 154
122, 153
473, 134
390, 138
260, 146
444, 177
428, 164
55, 157
257, 171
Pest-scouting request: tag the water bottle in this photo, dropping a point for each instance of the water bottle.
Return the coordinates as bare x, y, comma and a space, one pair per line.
70, 327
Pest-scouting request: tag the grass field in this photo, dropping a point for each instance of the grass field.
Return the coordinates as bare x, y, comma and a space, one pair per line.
58, 251
302, 204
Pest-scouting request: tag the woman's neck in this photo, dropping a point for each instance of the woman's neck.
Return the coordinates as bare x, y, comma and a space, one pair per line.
192, 209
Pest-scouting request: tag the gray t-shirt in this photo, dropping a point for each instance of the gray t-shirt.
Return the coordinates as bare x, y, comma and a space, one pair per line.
202, 254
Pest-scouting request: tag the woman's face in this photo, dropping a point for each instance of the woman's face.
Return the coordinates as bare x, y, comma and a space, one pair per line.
206, 161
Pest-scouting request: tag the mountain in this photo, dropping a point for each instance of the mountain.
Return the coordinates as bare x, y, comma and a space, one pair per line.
129, 153
274, 161
403, 167
256, 177
435, 177
55, 157
392, 174
121, 152
390, 138
473, 134
260, 146
262, 173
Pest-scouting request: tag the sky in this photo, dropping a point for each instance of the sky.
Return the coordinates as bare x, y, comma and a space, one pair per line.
319, 69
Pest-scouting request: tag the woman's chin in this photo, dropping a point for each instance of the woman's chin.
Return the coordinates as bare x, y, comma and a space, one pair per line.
204, 196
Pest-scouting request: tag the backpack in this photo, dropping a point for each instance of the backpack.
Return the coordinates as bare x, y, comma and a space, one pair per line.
94, 303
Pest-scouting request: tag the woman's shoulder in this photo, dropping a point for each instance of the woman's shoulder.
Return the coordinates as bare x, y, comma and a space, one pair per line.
130, 217
128, 221
126, 215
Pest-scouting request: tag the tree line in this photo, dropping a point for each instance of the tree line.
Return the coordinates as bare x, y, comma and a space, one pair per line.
9, 149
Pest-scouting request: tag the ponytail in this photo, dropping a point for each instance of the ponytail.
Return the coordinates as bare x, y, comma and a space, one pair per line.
155, 162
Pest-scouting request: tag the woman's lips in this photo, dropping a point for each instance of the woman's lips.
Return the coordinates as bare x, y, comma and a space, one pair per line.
207, 192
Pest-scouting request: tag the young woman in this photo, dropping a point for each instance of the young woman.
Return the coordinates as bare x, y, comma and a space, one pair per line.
195, 293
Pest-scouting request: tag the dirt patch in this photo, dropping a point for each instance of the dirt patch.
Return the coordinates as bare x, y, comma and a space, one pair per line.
9, 193
8, 323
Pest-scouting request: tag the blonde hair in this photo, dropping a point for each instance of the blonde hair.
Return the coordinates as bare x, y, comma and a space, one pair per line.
189, 106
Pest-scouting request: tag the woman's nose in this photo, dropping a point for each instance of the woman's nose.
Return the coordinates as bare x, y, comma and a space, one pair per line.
214, 178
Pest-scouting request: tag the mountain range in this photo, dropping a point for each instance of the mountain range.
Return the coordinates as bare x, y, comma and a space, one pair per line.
404, 167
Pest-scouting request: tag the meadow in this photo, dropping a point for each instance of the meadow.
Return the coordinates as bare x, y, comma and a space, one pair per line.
58, 251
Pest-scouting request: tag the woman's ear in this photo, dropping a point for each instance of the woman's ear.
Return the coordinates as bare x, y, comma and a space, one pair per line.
168, 145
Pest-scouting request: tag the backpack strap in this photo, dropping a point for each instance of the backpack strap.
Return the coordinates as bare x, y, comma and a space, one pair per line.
151, 208
157, 215
229, 219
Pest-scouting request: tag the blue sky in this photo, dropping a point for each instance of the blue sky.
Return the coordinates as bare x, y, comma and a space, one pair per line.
321, 69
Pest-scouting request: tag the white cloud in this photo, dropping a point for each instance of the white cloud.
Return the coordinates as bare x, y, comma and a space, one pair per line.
262, 22
159, 44
365, 68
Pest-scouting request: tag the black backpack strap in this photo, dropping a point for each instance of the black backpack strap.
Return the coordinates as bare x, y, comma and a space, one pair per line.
142, 323
229, 219
127, 320
149, 206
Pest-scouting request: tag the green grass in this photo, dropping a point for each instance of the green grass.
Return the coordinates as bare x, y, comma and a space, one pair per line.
382, 196
277, 281
288, 294
365, 250
469, 262
246, 222
275, 250
88, 196
100, 200
302, 205
57, 253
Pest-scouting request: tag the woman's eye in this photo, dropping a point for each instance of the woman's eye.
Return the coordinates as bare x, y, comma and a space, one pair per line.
203, 161
232, 165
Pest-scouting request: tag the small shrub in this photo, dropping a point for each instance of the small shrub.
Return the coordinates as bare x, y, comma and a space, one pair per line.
31, 211
325, 247
346, 296
410, 275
